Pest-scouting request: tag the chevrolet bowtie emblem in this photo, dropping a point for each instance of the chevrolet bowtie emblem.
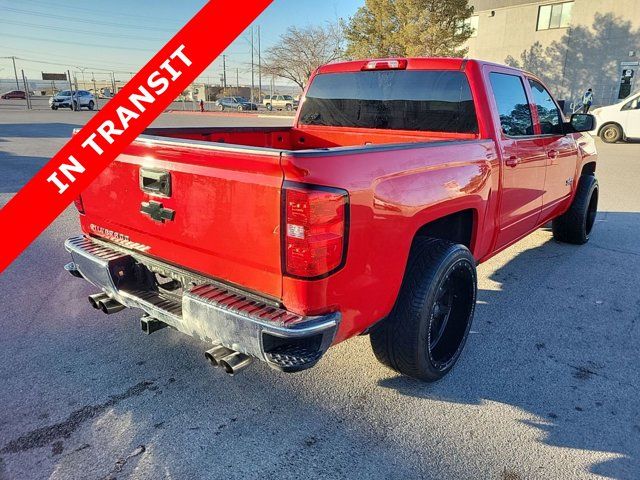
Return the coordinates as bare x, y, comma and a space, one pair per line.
156, 212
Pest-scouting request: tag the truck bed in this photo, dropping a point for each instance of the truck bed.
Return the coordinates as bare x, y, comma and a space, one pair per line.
307, 138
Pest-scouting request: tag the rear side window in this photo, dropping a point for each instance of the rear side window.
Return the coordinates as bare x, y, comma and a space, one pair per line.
548, 113
513, 106
435, 101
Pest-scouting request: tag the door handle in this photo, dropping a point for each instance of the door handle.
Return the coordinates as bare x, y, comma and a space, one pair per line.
512, 161
552, 154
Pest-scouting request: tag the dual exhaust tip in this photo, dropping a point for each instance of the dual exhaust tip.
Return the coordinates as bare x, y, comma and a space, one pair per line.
102, 301
230, 361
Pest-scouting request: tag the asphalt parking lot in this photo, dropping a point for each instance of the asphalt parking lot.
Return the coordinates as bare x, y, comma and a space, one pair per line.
548, 386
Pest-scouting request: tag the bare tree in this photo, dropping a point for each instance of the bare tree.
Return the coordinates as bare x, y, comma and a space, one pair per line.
301, 50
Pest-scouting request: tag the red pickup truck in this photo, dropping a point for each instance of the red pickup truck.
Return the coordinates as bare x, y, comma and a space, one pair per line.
368, 216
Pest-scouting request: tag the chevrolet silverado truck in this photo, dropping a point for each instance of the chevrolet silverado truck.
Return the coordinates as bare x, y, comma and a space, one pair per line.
367, 216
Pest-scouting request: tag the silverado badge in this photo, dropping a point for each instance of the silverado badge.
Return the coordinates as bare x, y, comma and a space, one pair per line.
156, 212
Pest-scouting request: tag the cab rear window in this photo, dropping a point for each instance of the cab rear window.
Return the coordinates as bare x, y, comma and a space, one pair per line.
432, 100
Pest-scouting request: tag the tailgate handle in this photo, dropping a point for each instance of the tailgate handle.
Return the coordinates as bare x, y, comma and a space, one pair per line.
155, 182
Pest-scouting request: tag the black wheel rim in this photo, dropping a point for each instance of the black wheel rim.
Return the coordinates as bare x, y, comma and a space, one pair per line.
450, 315
592, 212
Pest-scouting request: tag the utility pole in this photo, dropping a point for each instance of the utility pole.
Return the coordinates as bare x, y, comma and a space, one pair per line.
253, 81
26, 90
15, 72
237, 81
224, 71
259, 67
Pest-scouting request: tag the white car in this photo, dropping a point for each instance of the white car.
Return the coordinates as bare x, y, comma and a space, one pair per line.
81, 98
619, 121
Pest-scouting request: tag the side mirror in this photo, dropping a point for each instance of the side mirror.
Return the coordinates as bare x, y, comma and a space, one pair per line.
581, 122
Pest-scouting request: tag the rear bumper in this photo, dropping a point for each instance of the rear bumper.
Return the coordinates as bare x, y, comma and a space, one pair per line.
214, 312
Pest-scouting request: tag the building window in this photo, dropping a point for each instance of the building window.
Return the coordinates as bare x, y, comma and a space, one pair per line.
557, 15
471, 22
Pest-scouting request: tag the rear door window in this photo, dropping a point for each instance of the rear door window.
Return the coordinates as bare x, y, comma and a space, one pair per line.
548, 113
512, 103
423, 100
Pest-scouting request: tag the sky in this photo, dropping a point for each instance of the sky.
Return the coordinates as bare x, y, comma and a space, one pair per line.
121, 35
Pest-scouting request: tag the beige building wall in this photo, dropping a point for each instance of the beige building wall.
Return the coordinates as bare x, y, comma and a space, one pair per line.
603, 38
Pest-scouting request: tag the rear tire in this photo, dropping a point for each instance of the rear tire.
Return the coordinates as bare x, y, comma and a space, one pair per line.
91, 105
269, 107
289, 107
576, 224
221, 108
425, 333
611, 133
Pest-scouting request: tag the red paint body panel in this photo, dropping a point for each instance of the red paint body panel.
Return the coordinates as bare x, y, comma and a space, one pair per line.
227, 192
227, 211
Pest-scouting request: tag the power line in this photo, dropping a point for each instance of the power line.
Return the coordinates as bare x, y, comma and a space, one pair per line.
45, 62
83, 44
90, 22
81, 32
64, 57
101, 13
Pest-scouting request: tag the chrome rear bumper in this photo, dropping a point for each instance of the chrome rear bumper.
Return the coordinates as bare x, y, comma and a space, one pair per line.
211, 311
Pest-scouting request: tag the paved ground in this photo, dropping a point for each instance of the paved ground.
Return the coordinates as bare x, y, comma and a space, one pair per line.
548, 387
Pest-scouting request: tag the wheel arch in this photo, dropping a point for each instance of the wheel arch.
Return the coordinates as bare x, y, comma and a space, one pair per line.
457, 227
588, 168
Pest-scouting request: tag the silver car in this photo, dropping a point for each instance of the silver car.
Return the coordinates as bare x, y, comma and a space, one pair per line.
81, 98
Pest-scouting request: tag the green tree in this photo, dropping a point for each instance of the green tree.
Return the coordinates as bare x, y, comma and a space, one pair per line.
389, 28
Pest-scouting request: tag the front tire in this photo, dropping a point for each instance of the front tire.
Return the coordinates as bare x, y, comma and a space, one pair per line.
53, 107
269, 107
611, 133
91, 105
425, 333
576, 224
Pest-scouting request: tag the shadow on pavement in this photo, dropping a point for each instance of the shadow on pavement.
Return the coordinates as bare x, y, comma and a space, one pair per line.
557, 337
18, 170
38, 130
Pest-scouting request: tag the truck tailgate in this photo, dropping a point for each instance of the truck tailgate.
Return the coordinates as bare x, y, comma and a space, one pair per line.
226, 204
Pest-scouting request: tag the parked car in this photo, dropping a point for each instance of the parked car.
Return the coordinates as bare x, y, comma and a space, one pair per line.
367, 216
235, 103
14, 94
81, 98
620, 121
286, 102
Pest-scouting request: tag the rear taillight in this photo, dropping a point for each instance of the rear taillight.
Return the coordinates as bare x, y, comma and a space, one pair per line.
314, 230
79, 205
